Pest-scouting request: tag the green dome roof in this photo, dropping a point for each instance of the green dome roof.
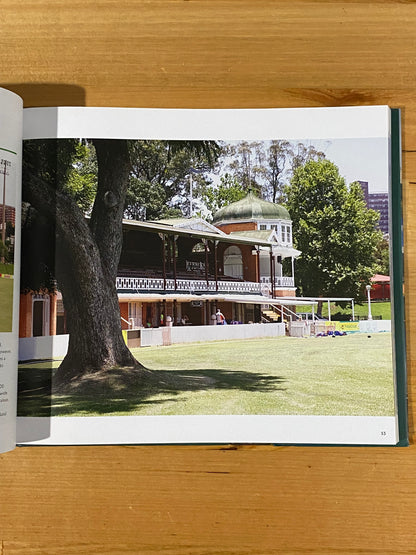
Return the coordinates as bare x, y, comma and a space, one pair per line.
251, 208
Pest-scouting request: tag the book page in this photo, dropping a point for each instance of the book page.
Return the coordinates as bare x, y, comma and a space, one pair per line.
242, 311
11, 110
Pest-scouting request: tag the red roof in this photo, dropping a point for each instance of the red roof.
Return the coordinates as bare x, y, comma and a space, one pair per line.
378, 278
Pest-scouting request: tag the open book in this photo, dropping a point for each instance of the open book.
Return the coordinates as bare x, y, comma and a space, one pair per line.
201, 276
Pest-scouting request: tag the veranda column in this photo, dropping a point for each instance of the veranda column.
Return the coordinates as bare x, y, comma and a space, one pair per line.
168, 254
52, 313
206, 262
163, 239
271, 271
258, 263
274, 274
174, 238
216, 264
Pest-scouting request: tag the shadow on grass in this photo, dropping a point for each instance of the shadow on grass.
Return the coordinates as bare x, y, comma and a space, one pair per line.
113, 395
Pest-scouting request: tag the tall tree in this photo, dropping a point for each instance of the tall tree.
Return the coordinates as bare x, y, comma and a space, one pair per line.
87, 250
277, 159
227, 191
333, 229
302, 153
246, 161
160, 177
266, 166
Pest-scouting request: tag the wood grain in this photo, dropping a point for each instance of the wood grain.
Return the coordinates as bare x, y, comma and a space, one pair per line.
215, 500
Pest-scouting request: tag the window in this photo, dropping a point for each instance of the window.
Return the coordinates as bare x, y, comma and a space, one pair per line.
199, 247
263, 227
283, 234
135, 314
233, 262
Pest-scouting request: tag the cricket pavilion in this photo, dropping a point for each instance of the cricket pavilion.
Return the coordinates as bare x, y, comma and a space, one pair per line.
179, 272
186, 269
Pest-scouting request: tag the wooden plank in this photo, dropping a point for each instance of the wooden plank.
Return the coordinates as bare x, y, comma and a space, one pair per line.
206, 500
209, 500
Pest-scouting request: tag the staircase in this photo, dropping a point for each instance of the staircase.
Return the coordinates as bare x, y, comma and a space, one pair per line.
270, 314
274, 313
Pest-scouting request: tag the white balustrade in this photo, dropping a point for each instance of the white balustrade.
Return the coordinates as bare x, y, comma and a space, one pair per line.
136, 284
280, 281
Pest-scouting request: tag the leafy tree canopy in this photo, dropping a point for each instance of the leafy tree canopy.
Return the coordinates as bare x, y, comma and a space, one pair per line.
229, 190
382, 255
160, 176
81, 181
333, 229
266, 166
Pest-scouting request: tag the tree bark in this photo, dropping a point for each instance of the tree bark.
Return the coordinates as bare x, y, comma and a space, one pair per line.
87, 256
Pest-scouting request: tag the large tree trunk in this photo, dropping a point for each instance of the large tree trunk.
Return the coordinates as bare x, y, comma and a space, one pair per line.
92, 311
88, 254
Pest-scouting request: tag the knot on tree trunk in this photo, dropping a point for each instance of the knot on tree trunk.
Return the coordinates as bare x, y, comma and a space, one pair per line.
110, 199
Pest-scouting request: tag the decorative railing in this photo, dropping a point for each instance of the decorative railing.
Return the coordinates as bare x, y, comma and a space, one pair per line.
136, 284
280, 281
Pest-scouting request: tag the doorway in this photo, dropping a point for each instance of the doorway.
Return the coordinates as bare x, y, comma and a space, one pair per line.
40, 315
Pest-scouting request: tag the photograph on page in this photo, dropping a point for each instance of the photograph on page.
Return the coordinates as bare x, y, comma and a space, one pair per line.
248, 279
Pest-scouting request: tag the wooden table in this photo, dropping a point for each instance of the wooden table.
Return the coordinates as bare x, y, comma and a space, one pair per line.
218, 499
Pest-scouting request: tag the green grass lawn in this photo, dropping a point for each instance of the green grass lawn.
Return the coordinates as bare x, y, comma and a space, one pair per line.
6, 304
378, 309
348, 375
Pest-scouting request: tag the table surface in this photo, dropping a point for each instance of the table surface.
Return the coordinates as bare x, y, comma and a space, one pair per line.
215, 499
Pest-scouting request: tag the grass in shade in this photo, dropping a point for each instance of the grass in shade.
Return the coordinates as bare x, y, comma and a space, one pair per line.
6, 304
348, 375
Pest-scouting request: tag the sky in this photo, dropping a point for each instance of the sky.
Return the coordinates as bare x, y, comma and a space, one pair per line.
360, 159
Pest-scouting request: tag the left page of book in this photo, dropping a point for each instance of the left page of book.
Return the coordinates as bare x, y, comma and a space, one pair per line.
11, 112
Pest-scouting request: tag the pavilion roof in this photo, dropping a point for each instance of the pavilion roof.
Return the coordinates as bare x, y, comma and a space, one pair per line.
224, 297
263, 235
378, 278
195, 223
169, 229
